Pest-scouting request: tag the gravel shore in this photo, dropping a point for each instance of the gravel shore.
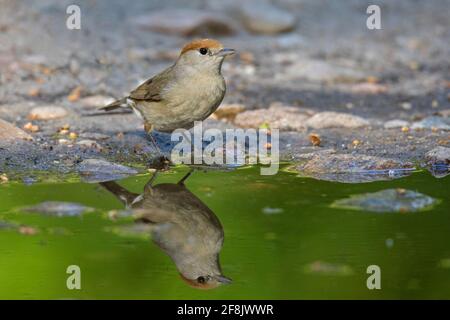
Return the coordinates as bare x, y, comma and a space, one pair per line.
346, 99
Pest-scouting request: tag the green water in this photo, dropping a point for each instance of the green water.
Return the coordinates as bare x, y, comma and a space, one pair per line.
282, 241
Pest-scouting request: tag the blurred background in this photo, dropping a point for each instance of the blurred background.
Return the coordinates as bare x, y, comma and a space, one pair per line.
319, 53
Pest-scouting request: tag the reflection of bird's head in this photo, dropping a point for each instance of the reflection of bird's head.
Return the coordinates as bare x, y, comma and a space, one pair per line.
206, 282
202, 270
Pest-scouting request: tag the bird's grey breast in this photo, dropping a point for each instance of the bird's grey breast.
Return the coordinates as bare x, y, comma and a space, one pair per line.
189, 223
194, 98
199, 90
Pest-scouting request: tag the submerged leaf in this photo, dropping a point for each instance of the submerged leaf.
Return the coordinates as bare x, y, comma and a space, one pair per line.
328, 269
270, 211
6, 225
389, 200
444, 263
28, 230
58, 209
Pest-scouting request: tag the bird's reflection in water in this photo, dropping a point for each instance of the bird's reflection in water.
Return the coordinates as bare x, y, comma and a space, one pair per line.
182, 226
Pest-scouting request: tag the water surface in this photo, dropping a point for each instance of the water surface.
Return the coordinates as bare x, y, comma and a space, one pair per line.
282, 241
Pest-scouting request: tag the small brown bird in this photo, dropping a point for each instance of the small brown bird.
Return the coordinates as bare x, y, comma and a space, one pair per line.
182, 226
189, 90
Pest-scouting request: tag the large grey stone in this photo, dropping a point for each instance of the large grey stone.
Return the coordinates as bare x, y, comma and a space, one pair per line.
438, 155
438, 161
11, 134
99, 170
432, 123
389, 200
351, 168
186, 22
396, 123
281, 117
324, 120
263, 17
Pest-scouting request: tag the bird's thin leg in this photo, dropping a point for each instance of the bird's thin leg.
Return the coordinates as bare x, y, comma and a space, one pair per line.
159, 162
148, 128
155, 145
148, 185
182, 180
125, 196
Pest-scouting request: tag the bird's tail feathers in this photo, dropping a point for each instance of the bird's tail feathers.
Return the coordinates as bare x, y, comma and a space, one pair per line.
125, 196
121, 103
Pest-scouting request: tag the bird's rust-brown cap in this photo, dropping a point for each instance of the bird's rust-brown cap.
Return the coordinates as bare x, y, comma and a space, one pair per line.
194, 284
202, 43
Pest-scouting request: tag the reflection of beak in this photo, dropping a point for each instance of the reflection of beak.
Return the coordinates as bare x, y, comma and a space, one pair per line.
223, 279
225, 52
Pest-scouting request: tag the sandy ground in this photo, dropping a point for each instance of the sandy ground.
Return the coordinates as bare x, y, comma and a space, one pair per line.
327, 61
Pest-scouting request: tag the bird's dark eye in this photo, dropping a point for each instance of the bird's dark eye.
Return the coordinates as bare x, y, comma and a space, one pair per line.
203, 51
201, 280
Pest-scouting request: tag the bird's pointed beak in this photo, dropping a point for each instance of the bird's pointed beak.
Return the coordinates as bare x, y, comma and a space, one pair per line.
223, 279
225, 52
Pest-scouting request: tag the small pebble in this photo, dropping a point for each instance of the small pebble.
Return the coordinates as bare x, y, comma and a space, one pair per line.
229, 111
96, 101
270, 211
31, 127
47, 113
406, 105
75, 94
389, 243
90, 144
315, 139
3, 178
34, 92
26, 230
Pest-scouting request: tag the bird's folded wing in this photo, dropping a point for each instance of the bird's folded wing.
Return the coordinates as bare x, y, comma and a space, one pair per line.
151, 89
152, 215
